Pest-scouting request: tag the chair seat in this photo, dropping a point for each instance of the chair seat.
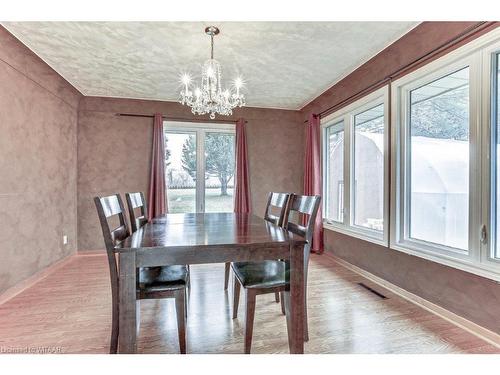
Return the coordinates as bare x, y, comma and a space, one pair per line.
265, 274
165, 278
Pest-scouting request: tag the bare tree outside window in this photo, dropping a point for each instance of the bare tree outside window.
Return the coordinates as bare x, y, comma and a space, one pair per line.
219, 162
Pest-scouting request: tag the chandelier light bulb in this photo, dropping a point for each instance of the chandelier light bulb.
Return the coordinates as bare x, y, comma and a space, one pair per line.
238, 82
186, 79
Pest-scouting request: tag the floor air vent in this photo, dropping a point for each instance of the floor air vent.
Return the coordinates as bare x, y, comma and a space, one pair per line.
372, 290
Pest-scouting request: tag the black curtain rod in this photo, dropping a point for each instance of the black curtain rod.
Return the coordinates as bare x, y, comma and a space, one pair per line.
144, 115
457, 39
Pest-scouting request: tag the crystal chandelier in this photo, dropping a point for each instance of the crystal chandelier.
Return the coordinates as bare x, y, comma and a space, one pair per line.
210, 97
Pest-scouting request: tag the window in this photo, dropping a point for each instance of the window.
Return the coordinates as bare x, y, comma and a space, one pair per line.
438, 162
495, 170
445, 162
335, 172
355, 167
219, 171
368, 192
200, 166
180, 160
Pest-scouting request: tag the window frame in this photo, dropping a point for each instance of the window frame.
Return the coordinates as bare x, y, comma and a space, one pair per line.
489, 138
337, 126
200, 129
477, 56
347, 115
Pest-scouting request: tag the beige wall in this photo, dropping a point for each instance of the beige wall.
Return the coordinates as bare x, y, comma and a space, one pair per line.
38, 128
473, 297
114, 153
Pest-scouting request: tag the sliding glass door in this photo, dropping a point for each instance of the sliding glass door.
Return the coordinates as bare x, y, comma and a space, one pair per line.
199, 167
180, 171
219, 171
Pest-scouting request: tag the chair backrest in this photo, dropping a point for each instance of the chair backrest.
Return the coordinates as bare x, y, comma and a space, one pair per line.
135, 201
280, 201
306, 206
108, 207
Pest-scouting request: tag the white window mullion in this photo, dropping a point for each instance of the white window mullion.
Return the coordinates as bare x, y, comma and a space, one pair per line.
387, 166
404, 166
200, 171
347, 169
475, 180
490, 168
396, 187
488, 135
325, 165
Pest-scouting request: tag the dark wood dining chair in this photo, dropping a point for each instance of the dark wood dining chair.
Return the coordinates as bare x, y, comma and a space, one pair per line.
275, 202
136, 201
279, 202
152, 282
270, 276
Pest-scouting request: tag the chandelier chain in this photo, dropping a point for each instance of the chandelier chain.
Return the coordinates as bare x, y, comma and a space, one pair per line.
212, 47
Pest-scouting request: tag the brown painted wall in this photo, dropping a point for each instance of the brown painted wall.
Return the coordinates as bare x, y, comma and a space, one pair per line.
473, 297
38, 128
114, 153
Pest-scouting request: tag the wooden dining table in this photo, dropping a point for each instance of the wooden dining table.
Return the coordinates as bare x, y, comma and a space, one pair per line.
200, 238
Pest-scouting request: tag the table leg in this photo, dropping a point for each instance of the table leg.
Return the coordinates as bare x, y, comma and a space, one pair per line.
295, 299
127, 304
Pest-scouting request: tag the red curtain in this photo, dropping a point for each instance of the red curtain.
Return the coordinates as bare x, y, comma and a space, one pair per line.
242, 188
312, 176
157, 188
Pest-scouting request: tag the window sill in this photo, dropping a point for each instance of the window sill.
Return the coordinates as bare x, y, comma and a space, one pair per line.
479, 269
359, 234
486, 271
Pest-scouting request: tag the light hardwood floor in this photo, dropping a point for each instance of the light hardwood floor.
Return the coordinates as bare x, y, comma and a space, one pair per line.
70, 312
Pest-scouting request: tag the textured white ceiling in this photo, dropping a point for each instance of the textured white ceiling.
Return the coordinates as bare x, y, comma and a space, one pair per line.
285, 64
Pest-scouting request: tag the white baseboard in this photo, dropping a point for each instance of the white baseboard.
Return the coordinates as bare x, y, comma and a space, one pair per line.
471, 327
40, 275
